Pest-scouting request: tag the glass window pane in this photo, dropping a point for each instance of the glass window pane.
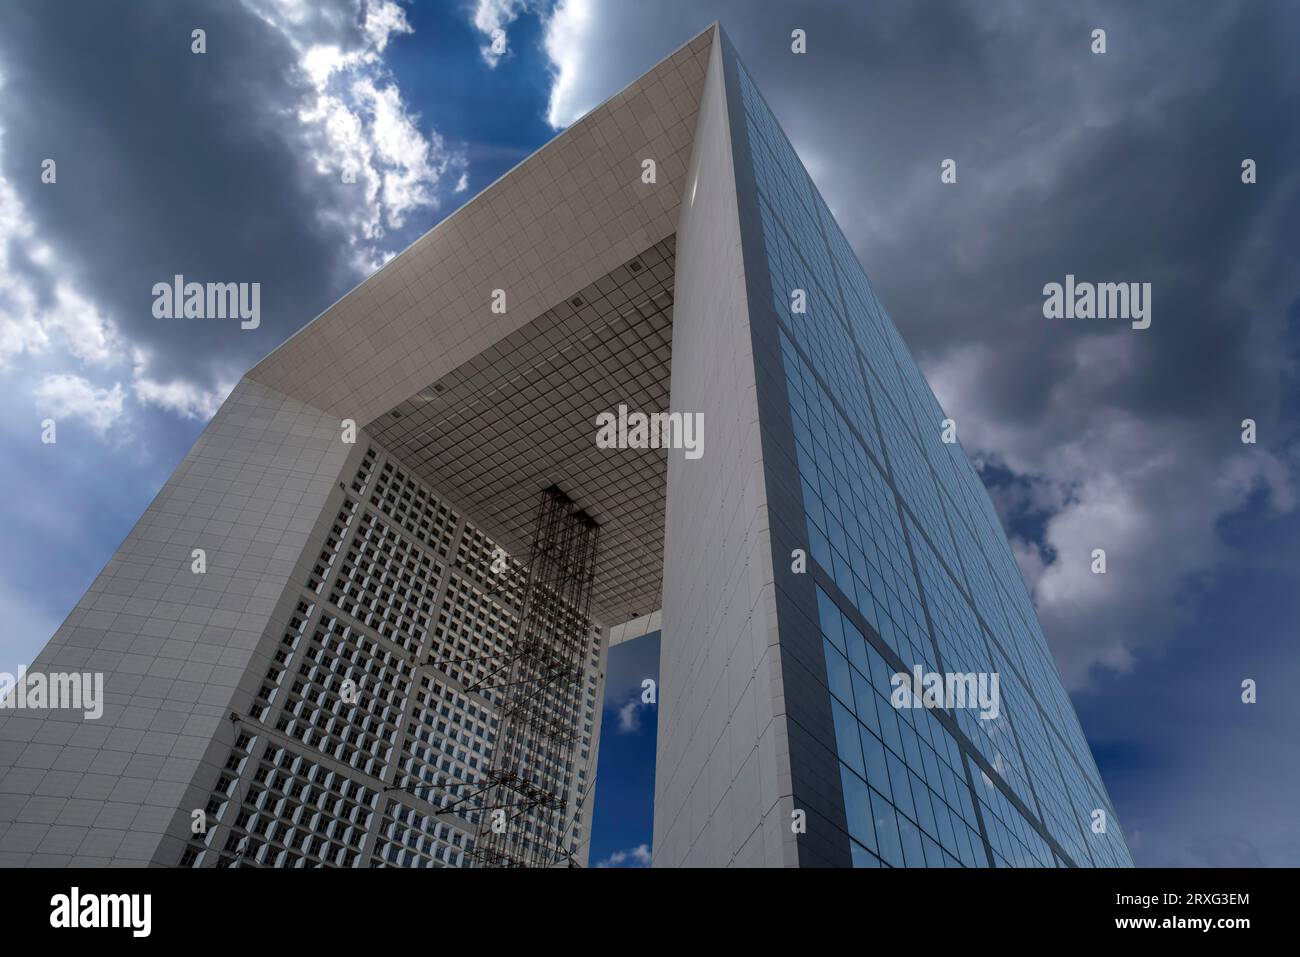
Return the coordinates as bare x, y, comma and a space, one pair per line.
890, 847
837, 674
847, 741
857, 808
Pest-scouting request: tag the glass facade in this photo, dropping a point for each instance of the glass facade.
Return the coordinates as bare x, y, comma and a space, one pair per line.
912, 568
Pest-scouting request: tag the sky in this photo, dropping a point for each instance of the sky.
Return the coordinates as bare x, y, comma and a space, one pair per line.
1119, 166
622, 825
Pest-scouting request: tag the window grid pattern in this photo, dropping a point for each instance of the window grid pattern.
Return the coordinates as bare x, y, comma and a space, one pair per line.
963, 649
288, 810
905, 794
363, 699
405, 502
827, 344
471, 636
333, 542
853, 525
448, 744
357, 724
270, 688
867, 431
409, 838
476, 555
386, 583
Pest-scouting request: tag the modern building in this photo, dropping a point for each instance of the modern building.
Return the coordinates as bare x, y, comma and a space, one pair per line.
340, 685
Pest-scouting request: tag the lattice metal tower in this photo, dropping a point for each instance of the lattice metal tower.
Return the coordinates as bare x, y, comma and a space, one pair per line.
524, 820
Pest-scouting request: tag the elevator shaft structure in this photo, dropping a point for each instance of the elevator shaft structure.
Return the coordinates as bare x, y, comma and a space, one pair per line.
526, 798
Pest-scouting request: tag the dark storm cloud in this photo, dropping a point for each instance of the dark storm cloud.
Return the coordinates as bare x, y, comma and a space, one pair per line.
1116, 167
166, 164
169, 162
1123, 166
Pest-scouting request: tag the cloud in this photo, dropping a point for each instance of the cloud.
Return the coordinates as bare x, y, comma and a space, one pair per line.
288, 96
491, 17
355, 123
571, 37
1111, 168
21, 327
638, 856
179, 396
629, 717
1148, 490
87, 332
571, 41
595, 49
586, 45
45, 320
38, 317
65, 396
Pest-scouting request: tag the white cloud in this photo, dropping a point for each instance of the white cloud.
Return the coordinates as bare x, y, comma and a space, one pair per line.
63, 327
638, 856
353, 119
65, 396
569, 37
65, 319
179, 396
183, 398
410, 164
569, 42
629, 717
87, 332
1151, 493
21, 329
54, 327
383, 19
491, 16
20, 332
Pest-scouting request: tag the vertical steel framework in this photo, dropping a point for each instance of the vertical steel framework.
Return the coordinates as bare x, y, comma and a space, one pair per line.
524, 818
